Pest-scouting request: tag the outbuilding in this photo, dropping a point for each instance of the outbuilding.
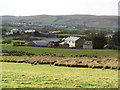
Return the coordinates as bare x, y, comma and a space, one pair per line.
88, 45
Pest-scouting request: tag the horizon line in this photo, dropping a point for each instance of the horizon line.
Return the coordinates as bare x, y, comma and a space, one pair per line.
58, 15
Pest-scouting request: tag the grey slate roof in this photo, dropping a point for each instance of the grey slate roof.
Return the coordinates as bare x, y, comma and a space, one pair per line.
52, 39
71, 38
46, 41
41, 42
88, 43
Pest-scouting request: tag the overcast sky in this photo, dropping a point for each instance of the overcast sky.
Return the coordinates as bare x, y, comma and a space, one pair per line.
58, 7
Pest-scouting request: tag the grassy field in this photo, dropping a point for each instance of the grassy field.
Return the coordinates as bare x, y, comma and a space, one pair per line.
76, 35
60, 51
21, 75
13, 57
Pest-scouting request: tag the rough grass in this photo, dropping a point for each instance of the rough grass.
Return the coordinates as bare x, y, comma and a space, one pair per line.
13, 57
77, 35
60, 51
16, 75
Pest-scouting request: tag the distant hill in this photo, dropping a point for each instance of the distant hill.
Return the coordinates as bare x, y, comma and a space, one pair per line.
89, 20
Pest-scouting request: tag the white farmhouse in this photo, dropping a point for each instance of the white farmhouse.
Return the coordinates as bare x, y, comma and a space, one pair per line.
73, 42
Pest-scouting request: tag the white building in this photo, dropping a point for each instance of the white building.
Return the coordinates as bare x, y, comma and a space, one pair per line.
29, 31
54, 31
73, 42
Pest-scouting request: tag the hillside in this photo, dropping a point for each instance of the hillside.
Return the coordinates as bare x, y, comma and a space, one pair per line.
89, 20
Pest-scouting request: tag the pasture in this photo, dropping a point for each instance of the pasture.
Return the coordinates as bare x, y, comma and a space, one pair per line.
22, 75
76, 35
60, 51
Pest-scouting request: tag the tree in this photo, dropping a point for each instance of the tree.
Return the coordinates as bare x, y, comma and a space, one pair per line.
36, 33
114, 43
115, 39
99, 41
8, 40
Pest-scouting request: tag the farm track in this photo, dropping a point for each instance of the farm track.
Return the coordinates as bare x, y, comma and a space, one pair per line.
105, 62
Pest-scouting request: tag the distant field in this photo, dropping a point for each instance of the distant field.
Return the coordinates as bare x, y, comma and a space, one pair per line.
60, 51
77, 35
21, 75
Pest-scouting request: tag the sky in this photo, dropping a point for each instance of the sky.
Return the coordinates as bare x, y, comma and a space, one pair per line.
58, 7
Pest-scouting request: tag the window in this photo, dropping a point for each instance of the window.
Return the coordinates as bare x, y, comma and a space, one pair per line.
72, 41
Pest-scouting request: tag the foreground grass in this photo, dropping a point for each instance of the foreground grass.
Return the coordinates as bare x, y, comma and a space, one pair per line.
21, 75
60, 51
14, 57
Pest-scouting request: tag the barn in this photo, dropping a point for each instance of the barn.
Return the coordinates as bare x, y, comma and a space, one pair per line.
88, 45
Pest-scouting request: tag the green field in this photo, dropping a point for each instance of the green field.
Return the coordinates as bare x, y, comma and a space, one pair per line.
76, 35
13, 57
21, 75
60, 51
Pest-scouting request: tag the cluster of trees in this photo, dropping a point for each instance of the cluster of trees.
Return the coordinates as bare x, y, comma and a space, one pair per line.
115, 41
99, 41
7, 40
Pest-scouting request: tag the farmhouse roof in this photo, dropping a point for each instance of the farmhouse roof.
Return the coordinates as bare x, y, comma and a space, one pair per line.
64, 43
71, 38
41, 42
26, 43
63, 39
52, 39
88, 43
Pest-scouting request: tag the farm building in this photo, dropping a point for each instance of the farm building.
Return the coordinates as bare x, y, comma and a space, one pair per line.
54, 31
88, 45
73, 42
64, 45
41, 43
29, 31
52, 39
49, 42
11, 32
53, 42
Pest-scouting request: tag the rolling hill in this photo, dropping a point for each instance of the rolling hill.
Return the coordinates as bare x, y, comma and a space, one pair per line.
89, 20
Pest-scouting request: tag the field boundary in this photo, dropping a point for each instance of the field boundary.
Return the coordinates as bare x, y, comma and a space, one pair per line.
108, 62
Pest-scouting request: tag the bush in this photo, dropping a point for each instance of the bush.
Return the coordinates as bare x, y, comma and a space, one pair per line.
8, 40
99, 41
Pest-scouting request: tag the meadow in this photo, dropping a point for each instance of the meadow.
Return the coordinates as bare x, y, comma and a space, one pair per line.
76, 35
60, 51
22, 75
25, 75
